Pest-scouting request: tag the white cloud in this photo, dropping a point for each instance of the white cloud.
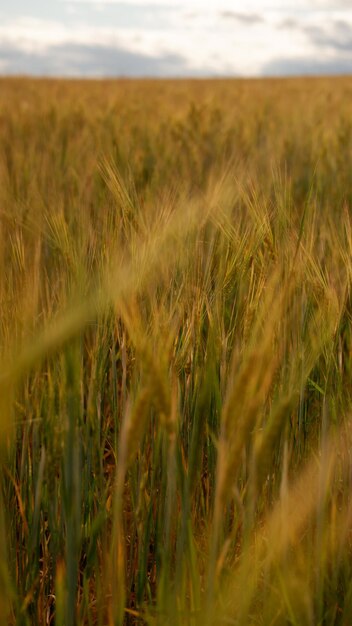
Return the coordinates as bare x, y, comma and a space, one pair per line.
235, 5
216, 39
228, 51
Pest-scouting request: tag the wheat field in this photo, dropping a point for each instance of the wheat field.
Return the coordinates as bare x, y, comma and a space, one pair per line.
175, 352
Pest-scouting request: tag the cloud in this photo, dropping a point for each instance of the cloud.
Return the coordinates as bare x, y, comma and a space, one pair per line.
27, 45
166, 4
337, 36
230, 5
310, 66
327, 39
331, 4
327, 35
244, 18
72, 59
288, 24
220, 42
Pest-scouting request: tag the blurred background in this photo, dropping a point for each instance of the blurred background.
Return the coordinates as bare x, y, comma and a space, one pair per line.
175, 38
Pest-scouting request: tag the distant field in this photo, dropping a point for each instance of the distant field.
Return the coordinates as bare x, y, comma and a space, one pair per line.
176, 352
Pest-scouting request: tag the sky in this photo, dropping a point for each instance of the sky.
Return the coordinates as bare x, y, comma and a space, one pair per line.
175, 38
